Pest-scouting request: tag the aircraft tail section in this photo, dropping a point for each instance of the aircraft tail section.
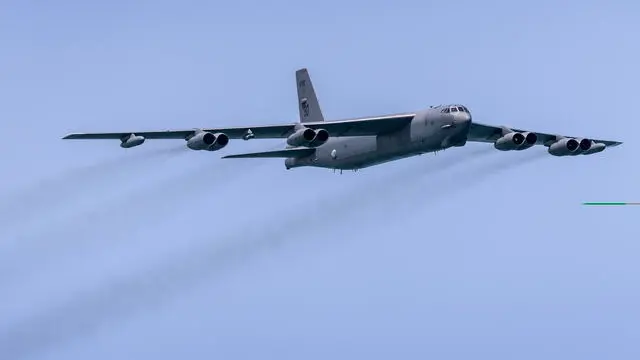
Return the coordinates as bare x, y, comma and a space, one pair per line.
308, 104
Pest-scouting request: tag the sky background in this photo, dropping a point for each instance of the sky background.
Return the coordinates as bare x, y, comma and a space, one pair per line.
161, 252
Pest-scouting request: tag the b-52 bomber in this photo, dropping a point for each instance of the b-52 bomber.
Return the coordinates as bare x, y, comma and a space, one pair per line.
353, 144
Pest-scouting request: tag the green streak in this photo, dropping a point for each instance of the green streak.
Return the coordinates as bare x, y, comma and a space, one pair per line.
605, 203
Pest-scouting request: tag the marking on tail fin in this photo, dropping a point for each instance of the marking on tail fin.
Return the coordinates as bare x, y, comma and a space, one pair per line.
308, 105
305, 106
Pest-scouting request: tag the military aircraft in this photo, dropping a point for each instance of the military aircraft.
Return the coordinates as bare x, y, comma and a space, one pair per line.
353, 144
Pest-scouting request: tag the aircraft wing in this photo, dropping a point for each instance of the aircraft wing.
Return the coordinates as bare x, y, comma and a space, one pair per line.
490, 133
285, 153
350, 127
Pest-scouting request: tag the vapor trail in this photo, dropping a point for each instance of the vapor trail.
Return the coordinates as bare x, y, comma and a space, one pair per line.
390, 184
452, 184
45, 195
123, 214
87, 313
413, 186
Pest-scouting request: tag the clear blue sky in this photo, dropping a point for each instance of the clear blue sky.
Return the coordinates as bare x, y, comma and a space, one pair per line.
159, 252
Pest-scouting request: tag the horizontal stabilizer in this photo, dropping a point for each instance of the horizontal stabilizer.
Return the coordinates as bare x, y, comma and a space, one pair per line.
285, 153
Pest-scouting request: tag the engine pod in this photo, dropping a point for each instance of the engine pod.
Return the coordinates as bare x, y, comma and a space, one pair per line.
132, 141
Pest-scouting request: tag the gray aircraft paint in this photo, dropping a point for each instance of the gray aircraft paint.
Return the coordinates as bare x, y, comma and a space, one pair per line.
353, 144
429, 131
308, 105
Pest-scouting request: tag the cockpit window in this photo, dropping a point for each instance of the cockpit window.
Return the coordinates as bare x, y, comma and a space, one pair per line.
455, 108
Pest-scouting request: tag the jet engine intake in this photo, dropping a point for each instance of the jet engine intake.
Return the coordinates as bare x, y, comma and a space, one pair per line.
595, 148
207, 141
565, 147
588, 147
131, 141
222, 140
585, 145
308, 137
516, 141
530, 139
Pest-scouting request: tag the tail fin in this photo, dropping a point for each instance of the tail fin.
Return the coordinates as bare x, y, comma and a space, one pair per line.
307, 101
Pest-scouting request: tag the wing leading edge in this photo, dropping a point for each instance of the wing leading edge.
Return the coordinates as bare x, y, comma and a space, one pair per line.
505, 138
349, 127
489, 133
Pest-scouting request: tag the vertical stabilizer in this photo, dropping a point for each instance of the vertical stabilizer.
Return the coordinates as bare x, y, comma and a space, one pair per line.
308, 105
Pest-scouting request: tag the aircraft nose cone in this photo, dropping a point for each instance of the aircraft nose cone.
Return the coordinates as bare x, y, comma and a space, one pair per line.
462, 117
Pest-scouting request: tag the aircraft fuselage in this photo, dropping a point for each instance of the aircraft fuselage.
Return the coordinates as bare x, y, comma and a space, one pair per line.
429, 131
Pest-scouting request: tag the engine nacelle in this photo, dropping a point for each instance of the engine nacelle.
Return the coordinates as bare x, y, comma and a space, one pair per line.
308, 137
530, 139
207, 141
516, 141
322, 136
595, 148
131, 141
565, 147
585, 145
588, 147
222, 140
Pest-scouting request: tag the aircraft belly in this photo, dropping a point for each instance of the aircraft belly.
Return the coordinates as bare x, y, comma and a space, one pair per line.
345, 152
358, 152
361, 152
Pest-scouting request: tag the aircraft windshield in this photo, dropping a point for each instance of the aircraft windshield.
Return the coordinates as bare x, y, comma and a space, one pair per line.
453, 109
